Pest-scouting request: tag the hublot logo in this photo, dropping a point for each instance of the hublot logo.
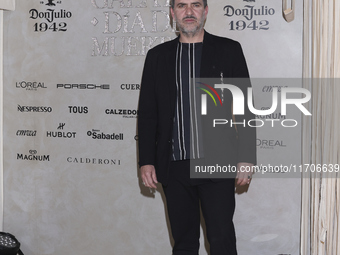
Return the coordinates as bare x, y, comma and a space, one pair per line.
60, 134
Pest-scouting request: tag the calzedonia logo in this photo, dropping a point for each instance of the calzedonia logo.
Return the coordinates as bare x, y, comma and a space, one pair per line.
30, 85
33, 156
61, 133
98, 135
125, 113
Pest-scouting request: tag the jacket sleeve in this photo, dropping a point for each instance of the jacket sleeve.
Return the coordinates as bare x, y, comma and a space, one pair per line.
246, 133
147, 113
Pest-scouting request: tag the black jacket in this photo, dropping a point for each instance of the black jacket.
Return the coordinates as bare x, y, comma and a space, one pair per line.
158, 98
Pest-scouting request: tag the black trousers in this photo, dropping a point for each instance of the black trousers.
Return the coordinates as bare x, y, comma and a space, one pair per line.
217, 198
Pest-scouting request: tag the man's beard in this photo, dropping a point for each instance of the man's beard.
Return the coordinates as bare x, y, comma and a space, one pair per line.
193, 31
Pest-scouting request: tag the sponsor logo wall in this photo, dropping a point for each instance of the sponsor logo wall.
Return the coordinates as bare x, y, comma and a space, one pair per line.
72, 81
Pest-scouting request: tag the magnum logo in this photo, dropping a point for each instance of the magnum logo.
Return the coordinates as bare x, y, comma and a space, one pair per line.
32, 156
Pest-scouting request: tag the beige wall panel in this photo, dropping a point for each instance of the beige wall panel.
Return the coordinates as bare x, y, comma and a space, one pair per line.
7, 4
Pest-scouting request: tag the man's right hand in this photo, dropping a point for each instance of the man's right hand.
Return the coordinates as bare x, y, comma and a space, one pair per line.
148, 174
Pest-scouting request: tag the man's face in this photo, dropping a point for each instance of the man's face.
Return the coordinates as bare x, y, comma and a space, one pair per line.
189, 15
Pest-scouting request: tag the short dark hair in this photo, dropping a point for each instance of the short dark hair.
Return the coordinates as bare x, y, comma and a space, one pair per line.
172, 3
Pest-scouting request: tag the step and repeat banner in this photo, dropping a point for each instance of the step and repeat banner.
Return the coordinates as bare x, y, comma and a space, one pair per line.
72, 72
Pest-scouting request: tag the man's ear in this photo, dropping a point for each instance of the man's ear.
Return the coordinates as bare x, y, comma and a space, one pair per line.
172, 13
206, 9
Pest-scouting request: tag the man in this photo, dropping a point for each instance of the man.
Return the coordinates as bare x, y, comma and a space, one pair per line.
165, 123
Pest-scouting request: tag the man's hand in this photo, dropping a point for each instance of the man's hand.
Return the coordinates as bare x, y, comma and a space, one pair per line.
148, 174
244, 173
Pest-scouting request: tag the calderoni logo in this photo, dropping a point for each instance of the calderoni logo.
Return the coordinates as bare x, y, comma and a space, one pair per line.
26, 133
28, 85
93, 161
33, 156
98, 135
125, 113
82, 86
269, 144
44, 109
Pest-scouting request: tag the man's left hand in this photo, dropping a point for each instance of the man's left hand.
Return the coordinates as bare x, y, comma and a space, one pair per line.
244, 173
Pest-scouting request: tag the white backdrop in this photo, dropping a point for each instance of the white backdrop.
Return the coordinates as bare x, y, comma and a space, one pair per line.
72, 74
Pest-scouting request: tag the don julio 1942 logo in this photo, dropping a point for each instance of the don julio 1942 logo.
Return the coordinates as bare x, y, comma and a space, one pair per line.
50, 19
